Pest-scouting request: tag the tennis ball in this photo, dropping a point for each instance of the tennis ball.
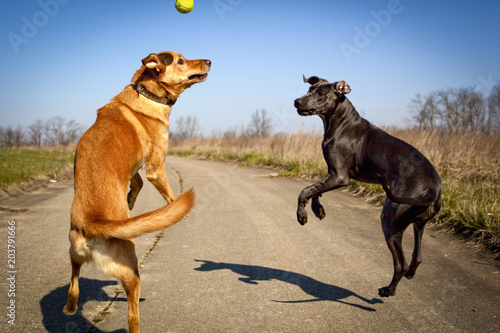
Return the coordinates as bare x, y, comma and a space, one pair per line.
184, 6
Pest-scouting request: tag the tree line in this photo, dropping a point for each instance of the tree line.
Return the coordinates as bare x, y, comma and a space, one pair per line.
449, 110
52, 132
188, 127
457, 110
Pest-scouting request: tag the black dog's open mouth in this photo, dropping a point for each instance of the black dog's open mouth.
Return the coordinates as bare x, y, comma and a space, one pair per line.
306, 112
199, 77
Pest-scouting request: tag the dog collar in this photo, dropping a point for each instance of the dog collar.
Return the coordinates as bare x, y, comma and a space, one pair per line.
148, 94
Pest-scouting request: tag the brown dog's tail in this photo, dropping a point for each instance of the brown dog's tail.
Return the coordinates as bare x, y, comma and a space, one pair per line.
156, 220
425, 200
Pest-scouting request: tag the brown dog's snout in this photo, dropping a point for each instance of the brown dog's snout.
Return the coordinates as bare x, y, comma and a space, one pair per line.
208, 62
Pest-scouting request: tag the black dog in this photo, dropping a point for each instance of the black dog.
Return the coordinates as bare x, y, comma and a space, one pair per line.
354, 148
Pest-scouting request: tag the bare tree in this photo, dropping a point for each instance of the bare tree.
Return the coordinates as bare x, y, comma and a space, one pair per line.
260, 124
58, 131
494, 109
55, 131
463, 109
230, 133
187, 128
48, 134
425, 110
73, 131
18, 136
56, 126
8, 137
454, 110
35, 133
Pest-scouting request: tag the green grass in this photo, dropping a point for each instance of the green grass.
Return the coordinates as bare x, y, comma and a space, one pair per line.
472, 208
19, 165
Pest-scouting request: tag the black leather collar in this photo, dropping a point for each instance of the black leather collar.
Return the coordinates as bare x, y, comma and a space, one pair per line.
148, 94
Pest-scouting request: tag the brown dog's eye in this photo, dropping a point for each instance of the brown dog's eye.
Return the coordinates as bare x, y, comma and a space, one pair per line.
180, 61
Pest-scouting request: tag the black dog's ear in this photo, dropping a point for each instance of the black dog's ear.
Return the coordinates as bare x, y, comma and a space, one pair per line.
343, 88
313, 80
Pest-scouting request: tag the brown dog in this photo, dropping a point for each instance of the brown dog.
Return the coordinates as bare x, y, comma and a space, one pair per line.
130, 132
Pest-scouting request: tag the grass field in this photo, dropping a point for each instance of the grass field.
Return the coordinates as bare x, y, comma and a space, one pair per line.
20, 165
469, 165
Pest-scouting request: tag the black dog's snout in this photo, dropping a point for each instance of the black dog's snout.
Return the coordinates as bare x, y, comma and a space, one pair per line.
297, 103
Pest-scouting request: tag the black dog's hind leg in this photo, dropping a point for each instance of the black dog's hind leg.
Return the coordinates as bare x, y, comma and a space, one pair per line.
418, 229
394, 225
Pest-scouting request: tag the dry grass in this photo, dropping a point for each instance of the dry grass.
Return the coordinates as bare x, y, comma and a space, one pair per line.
295, 155
469, 165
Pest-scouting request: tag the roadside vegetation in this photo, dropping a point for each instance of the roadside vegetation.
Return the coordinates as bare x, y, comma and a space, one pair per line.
468, 163
21, 165
458, 130
42, 150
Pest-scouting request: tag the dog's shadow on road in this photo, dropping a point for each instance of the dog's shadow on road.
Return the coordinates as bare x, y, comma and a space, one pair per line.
318, 290
52, 305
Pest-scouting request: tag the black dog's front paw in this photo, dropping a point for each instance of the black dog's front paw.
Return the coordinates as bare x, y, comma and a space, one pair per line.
386, 292
301, 216
318, 209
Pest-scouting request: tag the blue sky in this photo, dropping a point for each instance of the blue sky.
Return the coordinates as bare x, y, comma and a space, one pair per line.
69, 57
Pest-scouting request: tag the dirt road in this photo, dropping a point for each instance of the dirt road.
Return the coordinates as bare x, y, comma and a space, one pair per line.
241, 263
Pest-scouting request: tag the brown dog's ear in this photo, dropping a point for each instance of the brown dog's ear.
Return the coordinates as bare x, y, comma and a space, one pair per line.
166, 58
153, 68
343, 88
154, 60
313, 80
151, 61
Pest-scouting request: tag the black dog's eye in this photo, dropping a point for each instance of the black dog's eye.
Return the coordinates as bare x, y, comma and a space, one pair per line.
180, 61
320, 93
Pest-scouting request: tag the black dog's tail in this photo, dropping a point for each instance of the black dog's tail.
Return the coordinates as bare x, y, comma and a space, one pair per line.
425, 200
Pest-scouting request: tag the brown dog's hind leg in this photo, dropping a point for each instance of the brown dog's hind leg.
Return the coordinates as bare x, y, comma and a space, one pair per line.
132, 287
124, 267
74, 290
